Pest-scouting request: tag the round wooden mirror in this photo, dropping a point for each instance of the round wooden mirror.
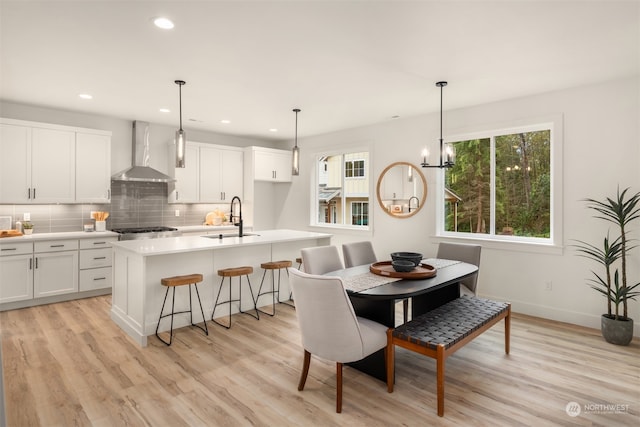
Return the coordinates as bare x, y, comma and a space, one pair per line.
401, 190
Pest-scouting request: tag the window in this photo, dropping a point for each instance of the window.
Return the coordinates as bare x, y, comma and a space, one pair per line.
502, 185
360, 213
354, 168
342, 190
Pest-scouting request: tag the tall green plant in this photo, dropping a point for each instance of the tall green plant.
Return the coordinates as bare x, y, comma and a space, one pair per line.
620, 211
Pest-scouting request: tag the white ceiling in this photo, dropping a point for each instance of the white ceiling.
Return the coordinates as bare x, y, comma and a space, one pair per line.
344, 63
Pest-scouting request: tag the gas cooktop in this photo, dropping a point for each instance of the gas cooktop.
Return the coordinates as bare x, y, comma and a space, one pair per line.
153, 232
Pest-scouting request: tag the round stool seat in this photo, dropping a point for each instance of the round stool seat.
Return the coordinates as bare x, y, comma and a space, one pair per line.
275, 265
235, 271
181, 280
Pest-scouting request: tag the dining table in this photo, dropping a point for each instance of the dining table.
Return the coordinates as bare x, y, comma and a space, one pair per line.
374, 297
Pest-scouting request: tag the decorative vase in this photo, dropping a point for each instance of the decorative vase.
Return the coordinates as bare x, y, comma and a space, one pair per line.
28, 231
619, 332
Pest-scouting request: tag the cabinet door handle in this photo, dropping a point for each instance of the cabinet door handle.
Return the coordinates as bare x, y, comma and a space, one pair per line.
108, 193
9, 249
56, 246
28, 193
100, 257
30, 263
34, 194
99, 278
177, 195
36, 262
99, 243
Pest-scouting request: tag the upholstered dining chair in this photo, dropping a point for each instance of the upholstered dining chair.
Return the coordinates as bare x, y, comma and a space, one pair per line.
330, 328
358, 253
321, 259
465, 253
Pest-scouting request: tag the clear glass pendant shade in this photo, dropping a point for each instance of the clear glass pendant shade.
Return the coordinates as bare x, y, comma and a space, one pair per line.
181, 140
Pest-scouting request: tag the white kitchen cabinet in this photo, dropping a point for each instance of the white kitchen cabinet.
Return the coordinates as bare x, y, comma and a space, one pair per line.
52, 166
15, 163
39, 163
221, 175
95, 264
213, 174
55, 268
271, 165
93, 168
186, 188
16, 272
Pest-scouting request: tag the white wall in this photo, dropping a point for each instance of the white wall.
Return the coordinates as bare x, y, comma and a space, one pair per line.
601, 151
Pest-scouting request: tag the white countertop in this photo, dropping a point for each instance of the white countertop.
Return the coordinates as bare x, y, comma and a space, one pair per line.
170, 245
60, 236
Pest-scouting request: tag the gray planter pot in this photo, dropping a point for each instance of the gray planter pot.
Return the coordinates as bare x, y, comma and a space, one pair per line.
619, 332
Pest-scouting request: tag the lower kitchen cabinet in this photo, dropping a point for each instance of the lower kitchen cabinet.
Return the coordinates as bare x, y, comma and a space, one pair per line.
55, 273
41, 272
16, 276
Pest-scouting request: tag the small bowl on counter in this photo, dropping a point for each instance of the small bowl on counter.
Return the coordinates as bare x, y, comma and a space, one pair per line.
414, 257
403, 265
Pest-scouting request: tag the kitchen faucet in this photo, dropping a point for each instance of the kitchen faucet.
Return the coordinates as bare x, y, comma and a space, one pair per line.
239, 216
417, 203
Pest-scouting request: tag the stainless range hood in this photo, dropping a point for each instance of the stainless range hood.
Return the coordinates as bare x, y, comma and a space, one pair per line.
140, 171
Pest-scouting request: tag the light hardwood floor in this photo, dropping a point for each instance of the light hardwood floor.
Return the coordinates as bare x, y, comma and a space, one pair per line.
69, 364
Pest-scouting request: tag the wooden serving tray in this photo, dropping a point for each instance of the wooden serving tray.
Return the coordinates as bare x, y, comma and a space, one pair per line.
10, 233
384, 268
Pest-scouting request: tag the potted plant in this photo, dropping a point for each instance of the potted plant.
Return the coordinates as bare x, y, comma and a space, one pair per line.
27, 227
617, 327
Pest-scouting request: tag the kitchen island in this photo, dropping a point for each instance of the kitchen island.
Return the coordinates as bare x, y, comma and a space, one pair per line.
138, 266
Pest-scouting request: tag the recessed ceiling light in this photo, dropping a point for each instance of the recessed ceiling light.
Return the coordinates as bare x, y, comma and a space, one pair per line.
85, 96
164, 23
273, 130
225, 121
165, 110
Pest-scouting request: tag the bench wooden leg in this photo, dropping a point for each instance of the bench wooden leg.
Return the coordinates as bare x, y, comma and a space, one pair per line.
440, 358
507, 330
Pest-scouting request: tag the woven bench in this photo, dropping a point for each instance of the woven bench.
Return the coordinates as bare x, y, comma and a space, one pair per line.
441, 332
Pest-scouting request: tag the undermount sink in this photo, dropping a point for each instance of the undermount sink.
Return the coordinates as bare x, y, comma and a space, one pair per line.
224, 236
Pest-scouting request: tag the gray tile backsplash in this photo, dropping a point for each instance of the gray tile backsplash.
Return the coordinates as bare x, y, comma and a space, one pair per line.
133, 204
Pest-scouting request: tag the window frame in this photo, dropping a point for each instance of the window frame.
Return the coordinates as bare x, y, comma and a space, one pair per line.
554, 244
314, 184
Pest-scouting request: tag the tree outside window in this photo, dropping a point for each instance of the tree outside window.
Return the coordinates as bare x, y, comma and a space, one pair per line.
501, 185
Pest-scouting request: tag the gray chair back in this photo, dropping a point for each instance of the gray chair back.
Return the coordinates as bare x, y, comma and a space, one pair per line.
358, 253
321, 259
465, 253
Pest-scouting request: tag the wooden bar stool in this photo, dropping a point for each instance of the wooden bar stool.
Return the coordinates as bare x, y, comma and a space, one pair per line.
273, 266
230, 273
173, 282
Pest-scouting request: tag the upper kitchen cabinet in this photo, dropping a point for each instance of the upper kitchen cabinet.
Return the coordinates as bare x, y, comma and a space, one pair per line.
93, 167
39, 164
213, 174
269, 164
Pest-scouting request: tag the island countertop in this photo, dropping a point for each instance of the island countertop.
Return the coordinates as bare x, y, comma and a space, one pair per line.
175, 245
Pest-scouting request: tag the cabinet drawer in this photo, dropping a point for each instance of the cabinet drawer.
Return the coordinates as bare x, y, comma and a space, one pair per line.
97, 278
104, 242
55, 246
16, 248
95, 258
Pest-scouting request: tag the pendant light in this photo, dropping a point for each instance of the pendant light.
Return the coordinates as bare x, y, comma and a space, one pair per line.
181, 136
447, 152
296, 151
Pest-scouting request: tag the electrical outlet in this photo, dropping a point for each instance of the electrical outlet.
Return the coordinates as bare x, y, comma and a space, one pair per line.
548, 285
177, 212
26, 216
